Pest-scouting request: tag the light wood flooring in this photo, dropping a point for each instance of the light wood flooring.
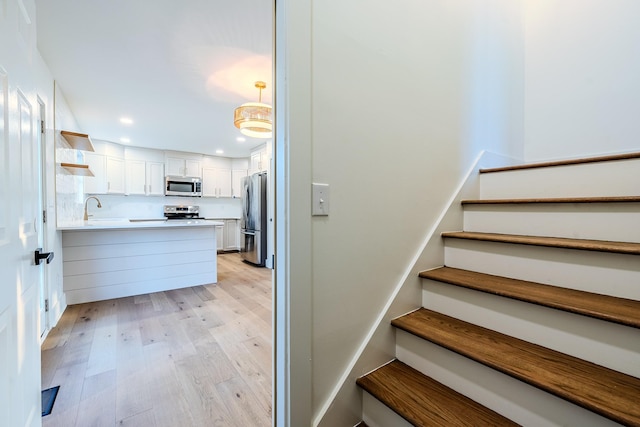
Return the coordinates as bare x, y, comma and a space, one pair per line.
197, 356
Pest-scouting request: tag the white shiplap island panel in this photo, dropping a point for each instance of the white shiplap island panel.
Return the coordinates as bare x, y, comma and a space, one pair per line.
108, 263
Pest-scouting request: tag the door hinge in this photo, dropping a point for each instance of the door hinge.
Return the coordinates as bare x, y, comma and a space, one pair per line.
46, 305
44, 216
42, 126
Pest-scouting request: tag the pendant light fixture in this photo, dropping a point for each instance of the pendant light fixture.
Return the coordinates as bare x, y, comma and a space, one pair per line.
254, 118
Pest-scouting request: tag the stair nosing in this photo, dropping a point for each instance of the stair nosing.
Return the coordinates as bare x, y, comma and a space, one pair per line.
443, 398
556, 373
628, 248
570, 300
567, 162
554, 200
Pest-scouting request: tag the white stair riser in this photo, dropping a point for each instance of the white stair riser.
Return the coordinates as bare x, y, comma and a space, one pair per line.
377, 414
513, 399
604, 343
614, 222
583, 270
619, 178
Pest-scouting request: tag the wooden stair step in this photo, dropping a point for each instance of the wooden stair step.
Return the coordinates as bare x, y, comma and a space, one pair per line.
604, 391
596, 159
568, 200
555, 242
604, 307
423, 401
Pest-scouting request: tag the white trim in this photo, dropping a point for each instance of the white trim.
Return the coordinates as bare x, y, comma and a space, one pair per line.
292, 156
453, 203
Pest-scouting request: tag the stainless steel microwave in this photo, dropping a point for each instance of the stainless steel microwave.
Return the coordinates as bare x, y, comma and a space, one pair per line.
187, 186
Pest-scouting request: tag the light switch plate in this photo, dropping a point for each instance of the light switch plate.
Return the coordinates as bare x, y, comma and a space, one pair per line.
320, 199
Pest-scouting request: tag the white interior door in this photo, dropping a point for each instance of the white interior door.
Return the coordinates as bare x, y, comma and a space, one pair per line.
19, 219
28, 239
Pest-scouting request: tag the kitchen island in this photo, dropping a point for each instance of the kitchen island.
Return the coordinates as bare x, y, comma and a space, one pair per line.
113, 258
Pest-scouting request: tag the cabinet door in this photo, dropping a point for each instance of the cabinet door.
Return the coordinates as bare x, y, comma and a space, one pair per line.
136, 177
155, 178
236, 181
231, 235
220, 237
192, 168
115, 175
209, 187
256, 162
223, 178
216, 182
96, 184
175, 166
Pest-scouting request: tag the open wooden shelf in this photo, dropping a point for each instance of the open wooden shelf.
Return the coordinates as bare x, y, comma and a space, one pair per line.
78, 141
77, 169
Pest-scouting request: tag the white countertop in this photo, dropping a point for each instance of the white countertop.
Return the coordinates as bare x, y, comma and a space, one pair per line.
125, 223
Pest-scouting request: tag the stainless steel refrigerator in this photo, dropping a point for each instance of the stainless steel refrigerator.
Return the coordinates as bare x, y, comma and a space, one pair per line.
253, 224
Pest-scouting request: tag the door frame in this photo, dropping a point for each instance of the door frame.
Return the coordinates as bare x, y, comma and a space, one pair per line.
292, 150
43, 286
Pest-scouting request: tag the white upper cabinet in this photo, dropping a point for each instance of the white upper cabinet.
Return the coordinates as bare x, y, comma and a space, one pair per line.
144, 178
136, 177
107, 165
216, 176
144, 171
216, 182
108, 174
179, 164
96, 184
260, 159
155, 178
115, 175
257, 163
236, 181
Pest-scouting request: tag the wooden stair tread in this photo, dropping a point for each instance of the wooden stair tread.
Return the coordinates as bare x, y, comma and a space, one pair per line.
423, 401
604, 307
614, 157
614, 199
596, 388
555, 242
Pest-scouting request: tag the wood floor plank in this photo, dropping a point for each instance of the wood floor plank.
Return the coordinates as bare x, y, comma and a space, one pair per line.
242, 405
604, 307
133, 395
425, 402
145, 419
190, 357
554, 242
609, 393
98, 402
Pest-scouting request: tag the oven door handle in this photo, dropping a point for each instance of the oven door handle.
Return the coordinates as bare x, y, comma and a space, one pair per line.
248, 232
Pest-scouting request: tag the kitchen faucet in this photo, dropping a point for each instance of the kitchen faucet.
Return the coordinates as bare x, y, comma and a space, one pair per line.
86, 216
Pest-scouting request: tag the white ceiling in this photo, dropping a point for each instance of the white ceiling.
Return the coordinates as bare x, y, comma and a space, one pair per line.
177, 68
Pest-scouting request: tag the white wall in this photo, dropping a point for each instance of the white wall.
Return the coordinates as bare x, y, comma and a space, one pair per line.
582, 92
404, 97
118, 206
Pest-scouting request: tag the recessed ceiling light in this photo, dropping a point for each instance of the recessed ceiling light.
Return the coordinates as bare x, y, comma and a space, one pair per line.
219, 151
241, 139
125, 140
126, 120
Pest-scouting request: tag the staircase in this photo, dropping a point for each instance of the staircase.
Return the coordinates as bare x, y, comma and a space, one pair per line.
534, 319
